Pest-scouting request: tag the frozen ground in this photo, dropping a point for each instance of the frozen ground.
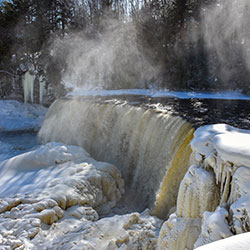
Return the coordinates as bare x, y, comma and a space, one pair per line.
230, 95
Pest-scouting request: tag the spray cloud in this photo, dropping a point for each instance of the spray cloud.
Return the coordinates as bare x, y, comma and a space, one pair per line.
109, 58
227, 38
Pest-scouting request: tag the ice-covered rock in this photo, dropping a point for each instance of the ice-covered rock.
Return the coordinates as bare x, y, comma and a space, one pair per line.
130, 231
220, 176
197, 194
55, 181
240, 214
178, 233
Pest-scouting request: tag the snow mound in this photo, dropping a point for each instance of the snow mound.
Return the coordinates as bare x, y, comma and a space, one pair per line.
40, 187
17, 116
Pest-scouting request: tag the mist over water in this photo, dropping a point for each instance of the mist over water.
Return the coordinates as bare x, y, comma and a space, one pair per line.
227, 39
110, 58
114, 56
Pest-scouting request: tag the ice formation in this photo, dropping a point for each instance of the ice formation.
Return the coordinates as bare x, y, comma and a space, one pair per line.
28, 87
197, 194
214, 196
150, 147
51, 183
42, 88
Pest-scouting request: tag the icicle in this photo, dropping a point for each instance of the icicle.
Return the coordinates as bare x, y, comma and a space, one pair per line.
225, 191
42, 85
28, 87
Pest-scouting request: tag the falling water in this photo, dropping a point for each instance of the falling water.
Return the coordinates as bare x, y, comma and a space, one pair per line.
151, 148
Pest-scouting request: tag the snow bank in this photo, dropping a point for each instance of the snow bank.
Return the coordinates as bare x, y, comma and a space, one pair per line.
40, 187
17, 116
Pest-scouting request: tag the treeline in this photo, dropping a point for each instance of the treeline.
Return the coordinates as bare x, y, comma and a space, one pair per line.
172, 36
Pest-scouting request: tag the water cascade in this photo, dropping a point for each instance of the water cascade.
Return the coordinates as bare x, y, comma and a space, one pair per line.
28, 87
150, 147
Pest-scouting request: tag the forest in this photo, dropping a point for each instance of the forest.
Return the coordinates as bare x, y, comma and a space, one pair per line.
112, 44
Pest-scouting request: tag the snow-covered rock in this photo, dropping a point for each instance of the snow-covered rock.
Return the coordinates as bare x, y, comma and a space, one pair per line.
130, 231
214, 227
41, 187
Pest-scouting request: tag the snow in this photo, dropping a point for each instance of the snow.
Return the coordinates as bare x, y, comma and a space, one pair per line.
57, 168
231, 95
232, 144
130, 231
214, 227
17, 116
237, 242
51, 183
234, 147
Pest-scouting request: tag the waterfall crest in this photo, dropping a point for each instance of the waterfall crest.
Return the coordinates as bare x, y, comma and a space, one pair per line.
150, 147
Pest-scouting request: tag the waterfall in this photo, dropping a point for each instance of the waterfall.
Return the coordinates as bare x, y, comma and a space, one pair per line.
28, 87
150, 147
